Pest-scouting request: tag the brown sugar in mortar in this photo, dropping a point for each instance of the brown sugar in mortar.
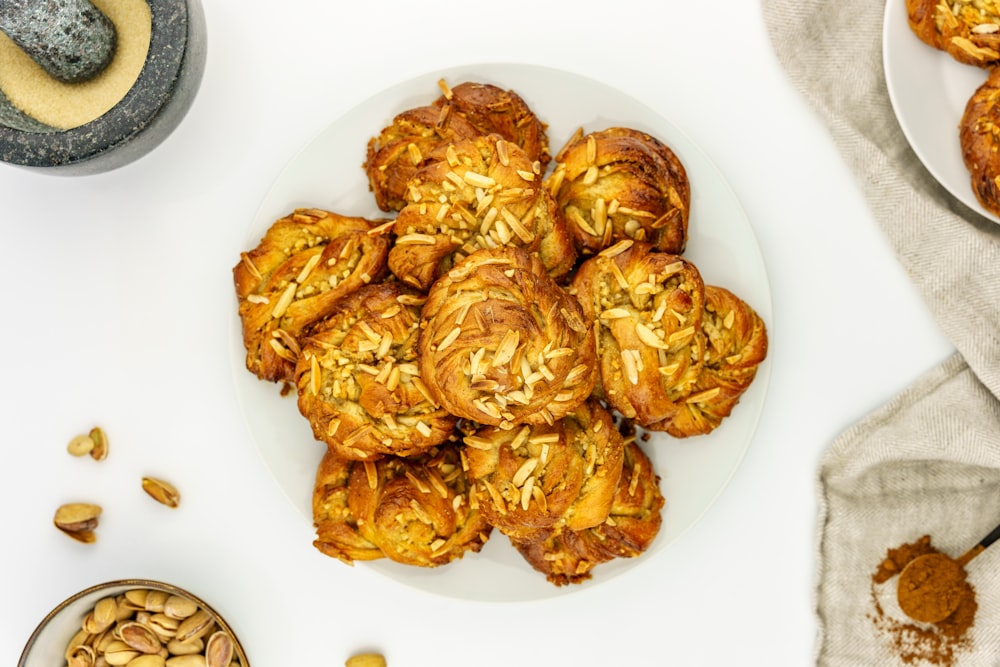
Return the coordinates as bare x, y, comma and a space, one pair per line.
937, 644
67, 105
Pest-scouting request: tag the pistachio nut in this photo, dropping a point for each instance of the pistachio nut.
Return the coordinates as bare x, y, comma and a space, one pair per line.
219, 650
80, 445
118, 653
81, 656
151, 660
179, 607
189, 660
99, 452
78, 520
139, 636
366, 660
162, 492
197, 624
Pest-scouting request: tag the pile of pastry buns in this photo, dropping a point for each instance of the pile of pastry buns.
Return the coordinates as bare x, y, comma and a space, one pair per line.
486, 355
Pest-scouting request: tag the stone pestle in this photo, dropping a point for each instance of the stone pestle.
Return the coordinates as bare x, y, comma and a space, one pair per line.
72, 40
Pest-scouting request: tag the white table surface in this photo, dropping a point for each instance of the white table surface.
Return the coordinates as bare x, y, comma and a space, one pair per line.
118, 299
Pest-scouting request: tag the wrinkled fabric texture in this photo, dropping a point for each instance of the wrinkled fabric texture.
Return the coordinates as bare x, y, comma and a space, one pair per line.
927, 462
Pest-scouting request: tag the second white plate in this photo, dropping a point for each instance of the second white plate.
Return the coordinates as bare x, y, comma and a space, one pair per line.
327, 174
929, 90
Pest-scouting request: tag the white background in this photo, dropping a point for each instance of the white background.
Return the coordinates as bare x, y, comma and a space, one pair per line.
118, 299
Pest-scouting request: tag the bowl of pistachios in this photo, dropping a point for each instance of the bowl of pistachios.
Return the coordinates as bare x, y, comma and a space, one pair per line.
133, 622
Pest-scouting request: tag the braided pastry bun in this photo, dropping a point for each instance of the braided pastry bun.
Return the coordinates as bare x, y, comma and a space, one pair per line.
483, 193
403, 146
736, 345
493, 110
967, 30
466, 111
304, 264
337, 533
633, 522
618, 184
417, 510
503, 344
979, 137
648, 309
358, 381
541, 478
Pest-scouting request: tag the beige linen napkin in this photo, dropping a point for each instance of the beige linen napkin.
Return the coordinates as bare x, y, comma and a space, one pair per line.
928, 462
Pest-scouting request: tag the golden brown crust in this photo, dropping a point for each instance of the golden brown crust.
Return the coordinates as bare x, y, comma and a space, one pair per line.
403, 147
537, 479
620, 183
736, 345
358, 381
464, 112
648, 308
483, 193
337, 533
979, 136
968, 30
503, 344
493, 110
568, 556
418, 510
304, 264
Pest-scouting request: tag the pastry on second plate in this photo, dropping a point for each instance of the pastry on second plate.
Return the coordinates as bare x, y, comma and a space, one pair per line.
633, 522
648, 308
502, 344
979, 137
537, 479
968, 30
483, 193
735, 346
358, 381
418, 510
620, 183
304, 264
465, 111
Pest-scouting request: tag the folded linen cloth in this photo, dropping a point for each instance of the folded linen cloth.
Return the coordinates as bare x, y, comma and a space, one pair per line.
928, 462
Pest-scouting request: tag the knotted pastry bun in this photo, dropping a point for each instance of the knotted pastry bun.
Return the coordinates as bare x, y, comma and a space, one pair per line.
358, 380
304, 264
418, 510
968, 30
633, 522
403, 146
503, 344
493, 110
648, 309
736, 345
979, 136
532, 481
621, 183
337, 533
466, 111
483, 193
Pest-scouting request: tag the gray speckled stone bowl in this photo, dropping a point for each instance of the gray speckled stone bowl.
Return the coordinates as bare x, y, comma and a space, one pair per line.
144, 117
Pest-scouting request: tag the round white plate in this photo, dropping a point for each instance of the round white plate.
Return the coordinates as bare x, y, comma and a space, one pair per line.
327, 174
928, 90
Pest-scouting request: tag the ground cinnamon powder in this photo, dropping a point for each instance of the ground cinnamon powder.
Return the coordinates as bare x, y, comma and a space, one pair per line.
937, 644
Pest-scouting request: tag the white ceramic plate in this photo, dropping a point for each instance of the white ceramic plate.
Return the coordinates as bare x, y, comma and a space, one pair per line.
328, 174
929, 90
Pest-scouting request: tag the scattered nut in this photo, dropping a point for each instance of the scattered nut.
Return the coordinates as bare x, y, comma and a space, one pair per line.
100, 450
135, 637
81, 445
366, 660
78, 520
162, 492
